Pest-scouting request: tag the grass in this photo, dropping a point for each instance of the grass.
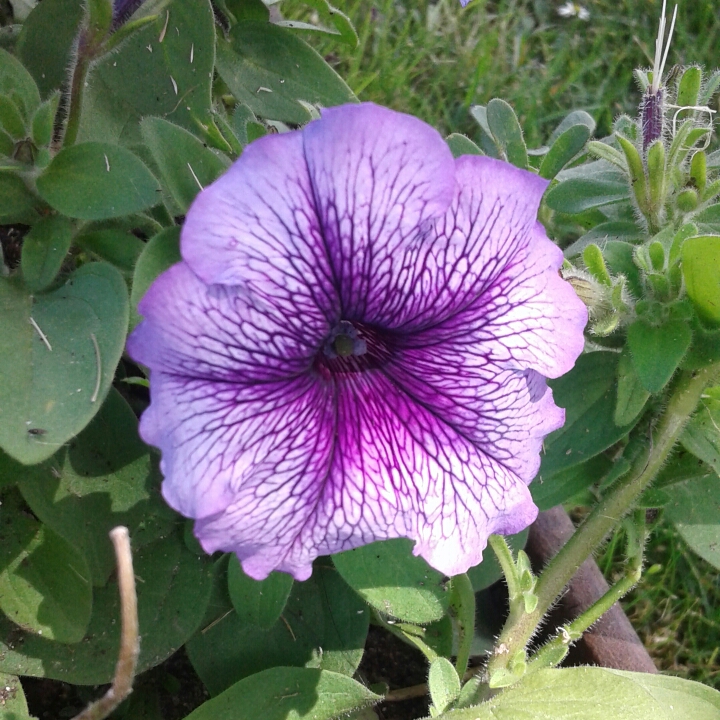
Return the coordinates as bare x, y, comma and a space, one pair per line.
435, 60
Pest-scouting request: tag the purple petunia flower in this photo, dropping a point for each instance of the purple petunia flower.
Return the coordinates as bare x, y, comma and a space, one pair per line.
355, 347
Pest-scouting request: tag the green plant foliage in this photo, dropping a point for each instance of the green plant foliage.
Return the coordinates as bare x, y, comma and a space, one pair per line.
43, 120
657, 351
186, 164
173, 587
701, 270
174, 58
162, 252
564, 149
119, 248
587, 393
270, 70
59, 367
324, 625
96, 181
598, 694
44, 249
13, 705
613, 231
507, 133
44, 580
46, 40
631, 395
287, 693
462, 145
15, 198
394, 581
488, 571
258, 602
592, 185
443, 683
16, 81
701, 436
105, 477
569, 483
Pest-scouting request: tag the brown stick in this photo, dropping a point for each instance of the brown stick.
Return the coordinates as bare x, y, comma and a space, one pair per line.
129, 638
612, 642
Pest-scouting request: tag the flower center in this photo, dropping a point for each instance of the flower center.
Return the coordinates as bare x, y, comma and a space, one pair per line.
351, 348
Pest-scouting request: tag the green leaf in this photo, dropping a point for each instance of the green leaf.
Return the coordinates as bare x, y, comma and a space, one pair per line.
13, 705
269, 69
258, 602
161, 253
657, 351
186, 164
631, 395
701, 270
16, 80
105, 477
46, 41
506, 130
462, 145
587, 393
44, 119
594, 693
591, 185
576, 117
342, 23
701, 436
173, 587
694, 509
121, 249
49, 395
15, 198
11, 119
287, 693
43, 251
489, 571
96, 181
689, 87
44, 580
563, 150
244, 10
394, 581
160, 70
619, 258
566, 484
324, 625
443, 683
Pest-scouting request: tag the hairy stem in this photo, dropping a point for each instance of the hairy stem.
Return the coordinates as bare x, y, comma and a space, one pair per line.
521, 626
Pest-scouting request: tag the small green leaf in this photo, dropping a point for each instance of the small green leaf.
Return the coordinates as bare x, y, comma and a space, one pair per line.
44, 249
701, 436
104, 477
631, 395
324, 624
462, 145
576, 194
506, 130
161, 253
587, 393
694, 509
595, 263
16, 80
46, 41
186, 164
443, 683
619, 257
689, 87
58, 354
594, 693
270, 69
606, 232
173, 588
394, 581
576, 117
96, 181
13, 705
15, 198
11, 120
638, 181
563, 150
121, 249
701, 270
44, 581
43, 120
244, 10
287, 693
342, 23
656, 174
489, 571
657, 351
258, 602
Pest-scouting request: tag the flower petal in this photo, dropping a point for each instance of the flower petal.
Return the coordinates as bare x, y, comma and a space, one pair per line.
489, 276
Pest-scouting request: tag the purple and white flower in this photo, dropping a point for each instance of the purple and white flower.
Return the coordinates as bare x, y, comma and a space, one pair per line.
355, 347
